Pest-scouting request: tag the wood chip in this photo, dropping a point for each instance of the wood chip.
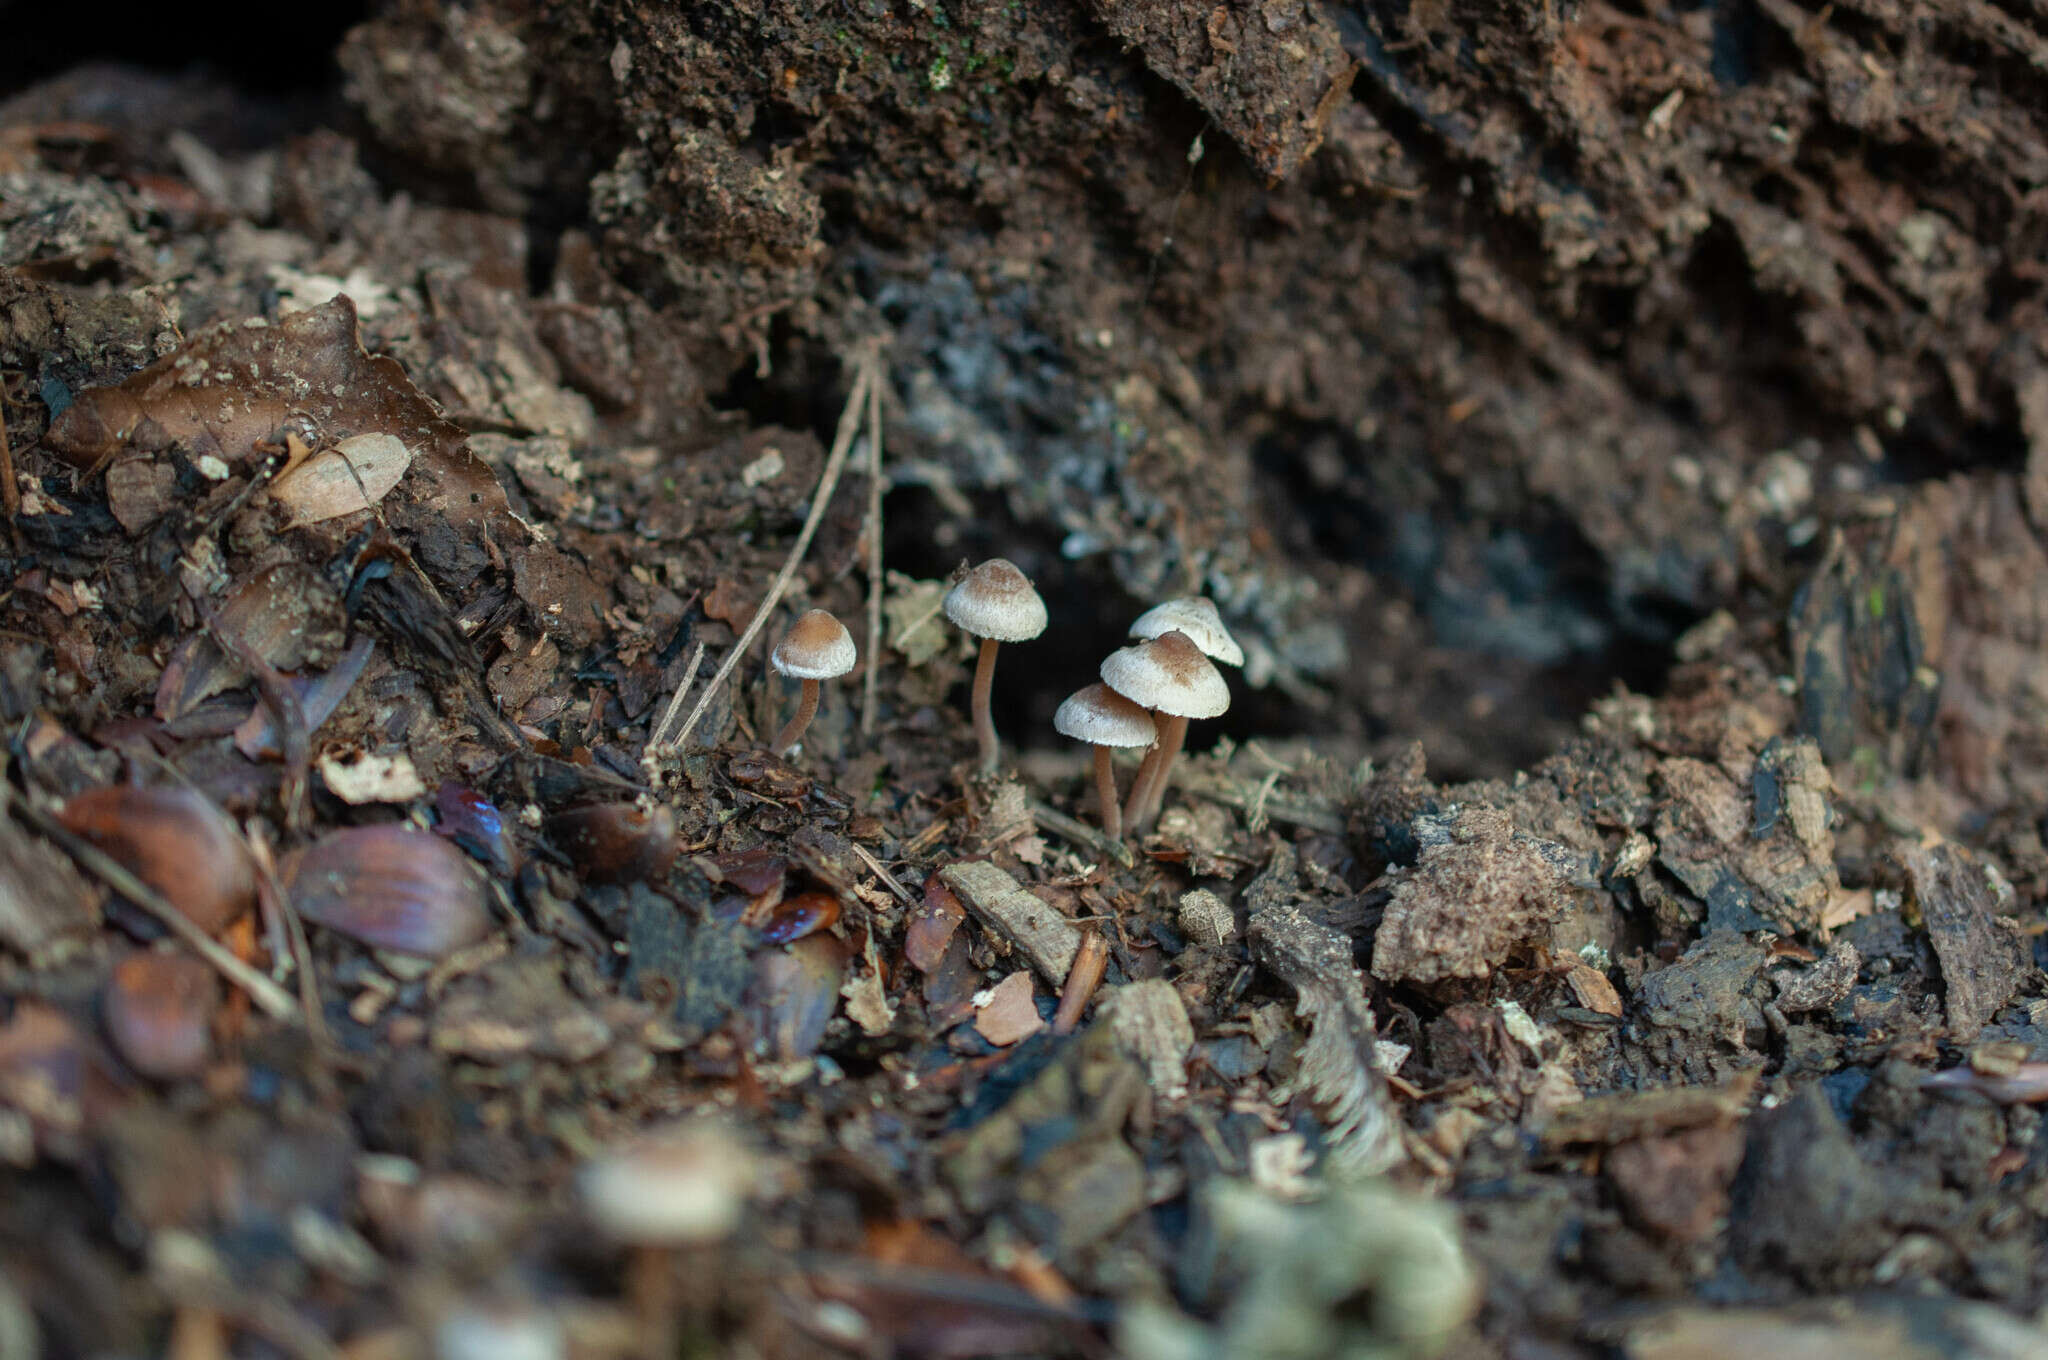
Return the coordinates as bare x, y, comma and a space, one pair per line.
1048, 940
1624, 1117
1010, 1012
1150, 1022
1591, 989
1980, 956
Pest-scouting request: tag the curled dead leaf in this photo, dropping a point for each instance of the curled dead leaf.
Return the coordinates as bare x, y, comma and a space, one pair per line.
352, 475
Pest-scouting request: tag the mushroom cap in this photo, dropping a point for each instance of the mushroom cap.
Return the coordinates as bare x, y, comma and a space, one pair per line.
1196, 616
1099, 715
1169, 674
666, 1190
816, 647
996, 600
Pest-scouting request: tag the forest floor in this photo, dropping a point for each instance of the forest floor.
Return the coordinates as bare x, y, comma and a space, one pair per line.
1608, 921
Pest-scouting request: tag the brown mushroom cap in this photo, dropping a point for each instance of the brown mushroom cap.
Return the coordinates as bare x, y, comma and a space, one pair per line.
1099, 715
1196, 617
816, 647
996, 600
1169, 674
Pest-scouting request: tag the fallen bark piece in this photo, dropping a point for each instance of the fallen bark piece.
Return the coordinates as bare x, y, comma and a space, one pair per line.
1046, 938
1150, 1022
1628, 1116
1979, 954
1337, 1061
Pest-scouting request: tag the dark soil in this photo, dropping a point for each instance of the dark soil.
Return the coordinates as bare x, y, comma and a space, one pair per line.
1617, 436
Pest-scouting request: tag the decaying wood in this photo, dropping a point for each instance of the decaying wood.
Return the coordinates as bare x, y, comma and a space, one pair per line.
1046, 938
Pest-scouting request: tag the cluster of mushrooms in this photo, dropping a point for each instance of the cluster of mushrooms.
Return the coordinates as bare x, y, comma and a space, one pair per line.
1148, 693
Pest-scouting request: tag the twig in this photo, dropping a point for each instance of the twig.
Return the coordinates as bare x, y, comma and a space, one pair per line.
298, 948
875, 866
655, 748
842, 444
1080, 832
1322, 819
275, 1001
872, 683
10, 494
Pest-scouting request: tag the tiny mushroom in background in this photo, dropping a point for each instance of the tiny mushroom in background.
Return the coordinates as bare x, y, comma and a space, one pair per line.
1196, 617
1168, 675
996, 603
816, 647
1105, 719
659, 1196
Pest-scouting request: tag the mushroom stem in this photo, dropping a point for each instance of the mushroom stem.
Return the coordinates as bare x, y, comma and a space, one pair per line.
806, 708
1171, 734
984, 726
1105, 793
650, 1278
1141, 783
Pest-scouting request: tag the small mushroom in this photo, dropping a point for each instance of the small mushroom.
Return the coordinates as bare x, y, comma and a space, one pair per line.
996, 603
660, 1196
1197, 617
816, 647
1105, 719
1170, 676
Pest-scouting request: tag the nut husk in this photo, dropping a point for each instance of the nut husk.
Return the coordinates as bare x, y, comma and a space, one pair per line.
158, 1009
391, 887
174, 840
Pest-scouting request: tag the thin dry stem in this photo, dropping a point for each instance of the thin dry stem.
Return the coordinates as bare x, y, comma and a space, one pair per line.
984, 725
10, 494
793, 731
275, 1001
828, 481
655, 746
871, 683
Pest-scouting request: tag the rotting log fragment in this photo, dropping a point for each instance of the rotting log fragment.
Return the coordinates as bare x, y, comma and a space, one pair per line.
1047, 939
1980, 958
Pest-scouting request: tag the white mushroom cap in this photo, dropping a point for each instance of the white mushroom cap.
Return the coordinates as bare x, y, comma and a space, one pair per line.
1196, 616
1170, 674
1100, 716
996, 600
668, 1190
500, 1330
816, 647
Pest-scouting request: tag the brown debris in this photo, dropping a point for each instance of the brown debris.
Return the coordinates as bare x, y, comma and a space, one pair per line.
1981, 958
390, 887
175, 841
1480, 890
1677, 1186
1337, 1065
1271, 75
1010, 1013
1643, 1115
1047, 939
